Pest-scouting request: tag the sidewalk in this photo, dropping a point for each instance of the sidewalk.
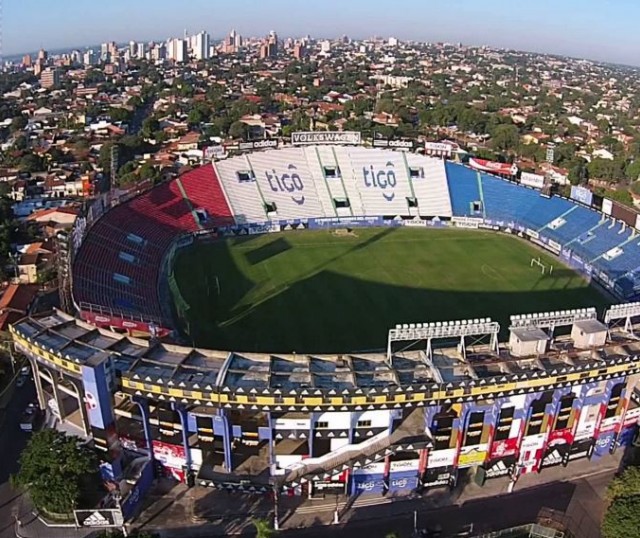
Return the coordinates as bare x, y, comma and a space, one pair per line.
211, 513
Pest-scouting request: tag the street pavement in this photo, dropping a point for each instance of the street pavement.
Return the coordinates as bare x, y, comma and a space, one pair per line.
12, 442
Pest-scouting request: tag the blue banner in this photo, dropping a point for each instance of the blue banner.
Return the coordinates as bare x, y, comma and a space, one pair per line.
135, 498
405, 481
97, 396
346, 222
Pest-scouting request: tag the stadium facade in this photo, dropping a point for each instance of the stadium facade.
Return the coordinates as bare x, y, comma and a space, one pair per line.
561, 388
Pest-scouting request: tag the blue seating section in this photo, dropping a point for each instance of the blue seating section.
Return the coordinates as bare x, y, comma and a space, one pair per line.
463, 188
585, 232
577, 222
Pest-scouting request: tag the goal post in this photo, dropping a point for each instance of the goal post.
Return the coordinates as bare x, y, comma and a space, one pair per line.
545, 268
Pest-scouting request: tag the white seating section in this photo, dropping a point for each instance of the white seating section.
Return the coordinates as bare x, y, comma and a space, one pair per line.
243, 194
285, 181
331, 181
429, 180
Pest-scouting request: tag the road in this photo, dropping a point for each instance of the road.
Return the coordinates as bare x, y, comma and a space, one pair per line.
12, 442
481, 515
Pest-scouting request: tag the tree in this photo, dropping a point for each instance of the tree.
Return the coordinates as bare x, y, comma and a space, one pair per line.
505, 137
263, 528
18, 123
621, 518
149, 127
31, 163
119, 114
55, 470
238, 130
633, 170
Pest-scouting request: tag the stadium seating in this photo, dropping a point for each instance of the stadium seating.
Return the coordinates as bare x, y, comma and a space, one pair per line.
327, 178
572, 224
464, 190
118, 265
203, 189
242, 191
429, 181
382, 181
284, 180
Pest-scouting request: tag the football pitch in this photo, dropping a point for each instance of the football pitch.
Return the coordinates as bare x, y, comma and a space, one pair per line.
326, 292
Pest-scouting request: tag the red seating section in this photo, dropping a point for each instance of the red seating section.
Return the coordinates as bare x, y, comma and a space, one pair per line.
205, 192
143, 228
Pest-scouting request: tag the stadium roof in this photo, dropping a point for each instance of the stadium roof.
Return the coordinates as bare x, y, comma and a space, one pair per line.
302, 382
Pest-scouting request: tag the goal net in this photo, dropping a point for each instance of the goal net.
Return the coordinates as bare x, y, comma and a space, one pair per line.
544, 268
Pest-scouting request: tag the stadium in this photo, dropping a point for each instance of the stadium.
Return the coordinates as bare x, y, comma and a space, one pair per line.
333, 317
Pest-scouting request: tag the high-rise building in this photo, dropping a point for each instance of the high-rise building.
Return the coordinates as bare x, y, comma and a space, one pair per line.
89, 58
299, 51
27, 60
159, 52
50, 78
141, 50
104, 52
132, 49
200, 46
178, 50
393, 41
43, 55
325, 46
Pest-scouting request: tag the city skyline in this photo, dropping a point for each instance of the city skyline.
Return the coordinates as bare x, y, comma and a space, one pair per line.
574, 28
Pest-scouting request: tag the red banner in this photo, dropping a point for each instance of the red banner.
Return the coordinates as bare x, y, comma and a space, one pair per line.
503, 169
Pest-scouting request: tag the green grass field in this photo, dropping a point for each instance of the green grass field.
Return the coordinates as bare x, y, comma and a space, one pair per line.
317, 292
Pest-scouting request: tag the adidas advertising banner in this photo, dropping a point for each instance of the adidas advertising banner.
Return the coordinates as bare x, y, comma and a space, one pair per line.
326, 137
402, 145
258, 144
99, 519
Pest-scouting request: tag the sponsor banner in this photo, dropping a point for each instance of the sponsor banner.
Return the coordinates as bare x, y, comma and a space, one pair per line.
403, 145
604, 444
328, 485
472, 456
346, 222
500, 467
102, 518
555, 456
559, 437
502, 449
258, 144
532, 233
326, 137
579, 450
554, 246
532, 180
632, 416
415, 223
438, 148
104, 321
371, 469
171, 457
405, 465
97, 396
467, 222
214, 152
581, 194
607, 206
134, 500
403, 481
637, 224
438, 477
441, 458
627, 435
368, 483
493, 167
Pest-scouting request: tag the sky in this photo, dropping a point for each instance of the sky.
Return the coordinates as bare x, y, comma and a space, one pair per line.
596, 29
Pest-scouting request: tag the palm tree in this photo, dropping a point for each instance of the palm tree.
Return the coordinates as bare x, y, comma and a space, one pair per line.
263, 528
